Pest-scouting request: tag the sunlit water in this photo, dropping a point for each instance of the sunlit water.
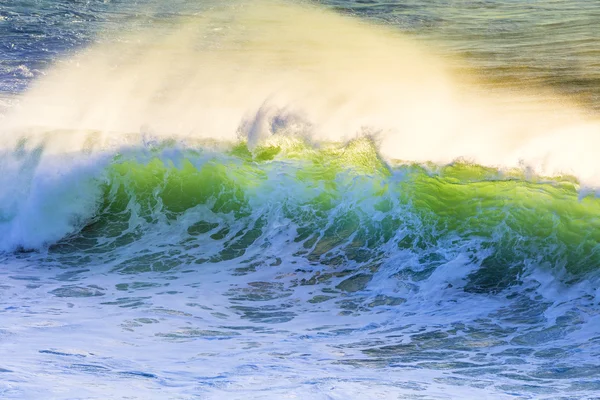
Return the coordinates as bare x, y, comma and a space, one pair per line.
281, 200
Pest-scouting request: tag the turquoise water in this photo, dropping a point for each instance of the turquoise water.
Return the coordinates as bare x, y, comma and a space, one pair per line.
323, 200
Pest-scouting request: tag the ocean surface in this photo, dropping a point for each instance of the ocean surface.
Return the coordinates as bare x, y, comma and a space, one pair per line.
299, 199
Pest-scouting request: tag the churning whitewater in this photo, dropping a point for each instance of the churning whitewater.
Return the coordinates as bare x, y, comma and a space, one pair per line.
271, 199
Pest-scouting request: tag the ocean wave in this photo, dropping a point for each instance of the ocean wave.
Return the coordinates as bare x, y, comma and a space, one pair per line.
336, 204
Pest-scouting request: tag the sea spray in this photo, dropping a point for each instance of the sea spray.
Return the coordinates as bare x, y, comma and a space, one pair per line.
205, 75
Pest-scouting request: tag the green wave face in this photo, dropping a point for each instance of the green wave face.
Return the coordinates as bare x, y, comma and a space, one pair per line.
340, 206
